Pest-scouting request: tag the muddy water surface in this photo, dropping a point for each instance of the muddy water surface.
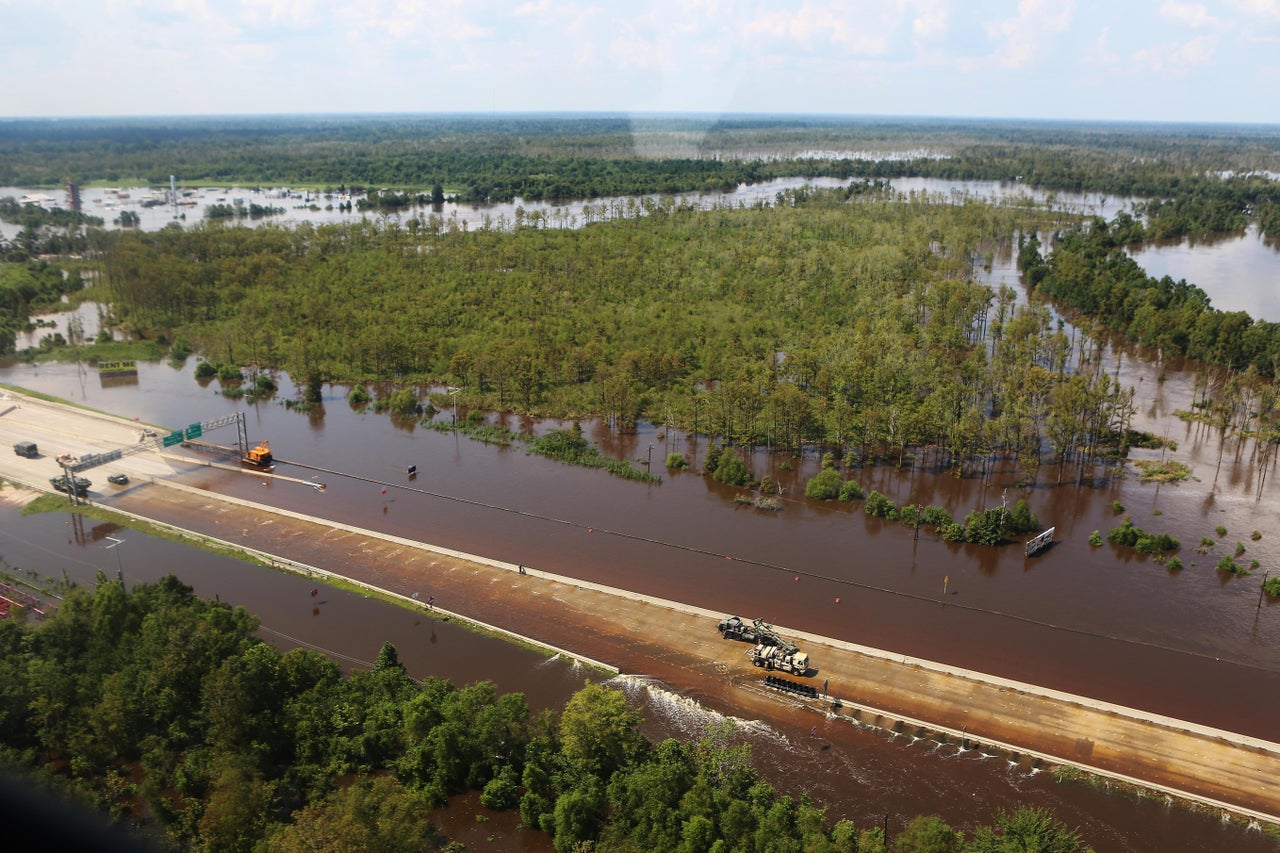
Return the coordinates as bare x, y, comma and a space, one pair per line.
858, 774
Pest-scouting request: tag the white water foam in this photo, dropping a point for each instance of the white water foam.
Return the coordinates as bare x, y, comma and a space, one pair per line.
688, 716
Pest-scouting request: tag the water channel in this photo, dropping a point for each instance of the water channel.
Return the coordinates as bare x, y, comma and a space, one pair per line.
1193, 644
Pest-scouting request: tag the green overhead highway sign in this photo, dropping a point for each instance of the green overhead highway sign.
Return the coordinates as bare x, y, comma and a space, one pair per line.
194, 431
171, 439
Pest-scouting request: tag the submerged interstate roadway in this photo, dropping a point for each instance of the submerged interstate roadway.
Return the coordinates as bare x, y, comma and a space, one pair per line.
675, 642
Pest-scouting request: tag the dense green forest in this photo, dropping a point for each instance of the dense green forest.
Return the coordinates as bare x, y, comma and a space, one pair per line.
165, 712
845, 318
840, 317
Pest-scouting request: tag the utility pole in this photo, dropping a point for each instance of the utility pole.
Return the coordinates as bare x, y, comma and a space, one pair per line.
453, 392
119, 566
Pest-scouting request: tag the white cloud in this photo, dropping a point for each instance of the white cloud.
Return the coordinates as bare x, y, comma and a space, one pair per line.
931, 21
1021, 38
636, 50
247, 51
296, 13
859, 27
1100, 55
439, 20
1176, 59
1264, 10
1192, 15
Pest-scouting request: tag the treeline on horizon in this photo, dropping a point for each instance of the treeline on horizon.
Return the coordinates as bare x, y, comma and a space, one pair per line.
165, 714
1190, 179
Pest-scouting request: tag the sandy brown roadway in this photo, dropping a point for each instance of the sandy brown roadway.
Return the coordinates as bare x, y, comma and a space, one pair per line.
676, 643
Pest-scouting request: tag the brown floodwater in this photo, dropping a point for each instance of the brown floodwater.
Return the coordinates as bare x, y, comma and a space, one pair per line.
1238, 272
1098, 621
1194, 643
859, 774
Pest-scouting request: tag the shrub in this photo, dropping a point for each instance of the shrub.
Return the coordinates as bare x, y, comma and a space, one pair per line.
984, 528
935, 515
676, 460
1272, 587
1175, 564
1168, 471
229, 373
1020, 519
851, 491
731, 471
1255, 535
566, 445
1117, 507
502, 792
359, 397
825, 486
1227, 564
1132, 536
313, 394
401, 402
952, 532
205, 370
264, 385
910, 515
1221, 530
1239, 549
1095, 539
878, 506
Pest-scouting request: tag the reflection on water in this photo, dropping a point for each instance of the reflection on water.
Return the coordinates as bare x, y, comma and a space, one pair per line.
1239, 273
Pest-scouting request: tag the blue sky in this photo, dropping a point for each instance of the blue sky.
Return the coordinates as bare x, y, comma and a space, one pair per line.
1161, 60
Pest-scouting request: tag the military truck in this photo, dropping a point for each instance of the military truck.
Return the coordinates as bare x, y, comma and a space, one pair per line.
759, 631
774, 657
734, 628
65, 483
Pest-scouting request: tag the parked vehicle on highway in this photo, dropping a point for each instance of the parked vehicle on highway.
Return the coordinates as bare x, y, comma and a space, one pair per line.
27, 449
80, 484
118, 479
